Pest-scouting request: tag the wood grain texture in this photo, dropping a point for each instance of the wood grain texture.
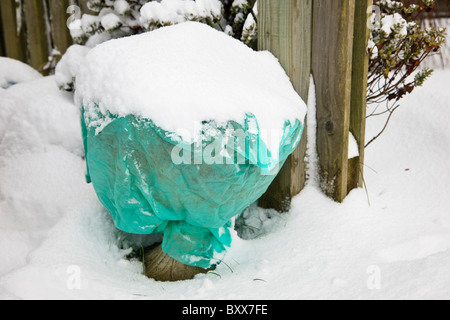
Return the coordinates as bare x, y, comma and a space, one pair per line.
36, 33
15, 44
360, 69
58, 17
285, 30
84, 7
332, 70
2, 45
161, 267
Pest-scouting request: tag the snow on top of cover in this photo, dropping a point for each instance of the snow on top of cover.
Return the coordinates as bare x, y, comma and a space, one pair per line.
68, 66
182, 75
13, 72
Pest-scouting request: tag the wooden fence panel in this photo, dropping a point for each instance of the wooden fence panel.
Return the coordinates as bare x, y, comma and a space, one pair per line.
2, 46
15, 44
60, 32
37, 40
285, 30
84, 7
331, 67
321, 37
44, 27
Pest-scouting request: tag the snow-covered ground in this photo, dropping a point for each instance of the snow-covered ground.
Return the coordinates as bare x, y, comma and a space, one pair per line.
57, 242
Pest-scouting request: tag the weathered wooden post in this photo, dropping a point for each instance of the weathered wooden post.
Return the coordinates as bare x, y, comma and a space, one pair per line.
332, 70
58, 17
285, 30
36, 33
360, 69
327, 38
14, 39
340, 68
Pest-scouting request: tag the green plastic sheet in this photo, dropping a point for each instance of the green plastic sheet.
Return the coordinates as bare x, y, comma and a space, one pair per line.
153, 183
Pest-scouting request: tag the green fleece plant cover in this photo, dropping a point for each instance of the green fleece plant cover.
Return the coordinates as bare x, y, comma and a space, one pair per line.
153, 183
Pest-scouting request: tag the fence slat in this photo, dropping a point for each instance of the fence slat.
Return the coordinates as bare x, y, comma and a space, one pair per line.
60, 32
331, 67
2, 46
36, 33
285, 30
360, 70
15, 44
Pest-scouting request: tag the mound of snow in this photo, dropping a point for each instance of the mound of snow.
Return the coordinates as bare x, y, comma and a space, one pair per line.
13, 72
31, 117
41, 168
182, 75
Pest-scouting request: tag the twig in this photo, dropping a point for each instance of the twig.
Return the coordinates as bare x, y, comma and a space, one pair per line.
364, 183
384, 128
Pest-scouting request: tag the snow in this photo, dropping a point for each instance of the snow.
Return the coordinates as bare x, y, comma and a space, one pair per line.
170, 12
214, 76
209, 8
13, 72
312, 158
87, 22
57, 242
372, 49
76, 28
353, 150
249, 30
239, 3
121, 7
30, 124
67, 68
156, 11
40, 163
110, 21
394, 22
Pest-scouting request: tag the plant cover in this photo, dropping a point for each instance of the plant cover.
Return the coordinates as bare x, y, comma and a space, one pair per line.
175, 147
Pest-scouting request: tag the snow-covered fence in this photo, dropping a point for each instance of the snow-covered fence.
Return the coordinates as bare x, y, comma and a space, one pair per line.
327, 39
35, 31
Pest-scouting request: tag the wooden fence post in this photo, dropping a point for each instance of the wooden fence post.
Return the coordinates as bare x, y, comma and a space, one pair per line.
36, 33
285, 30
360, 69
60, 32
332, 70
15, 44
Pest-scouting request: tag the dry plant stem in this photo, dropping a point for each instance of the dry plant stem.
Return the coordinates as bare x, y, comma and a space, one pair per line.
391, 112
161, 267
